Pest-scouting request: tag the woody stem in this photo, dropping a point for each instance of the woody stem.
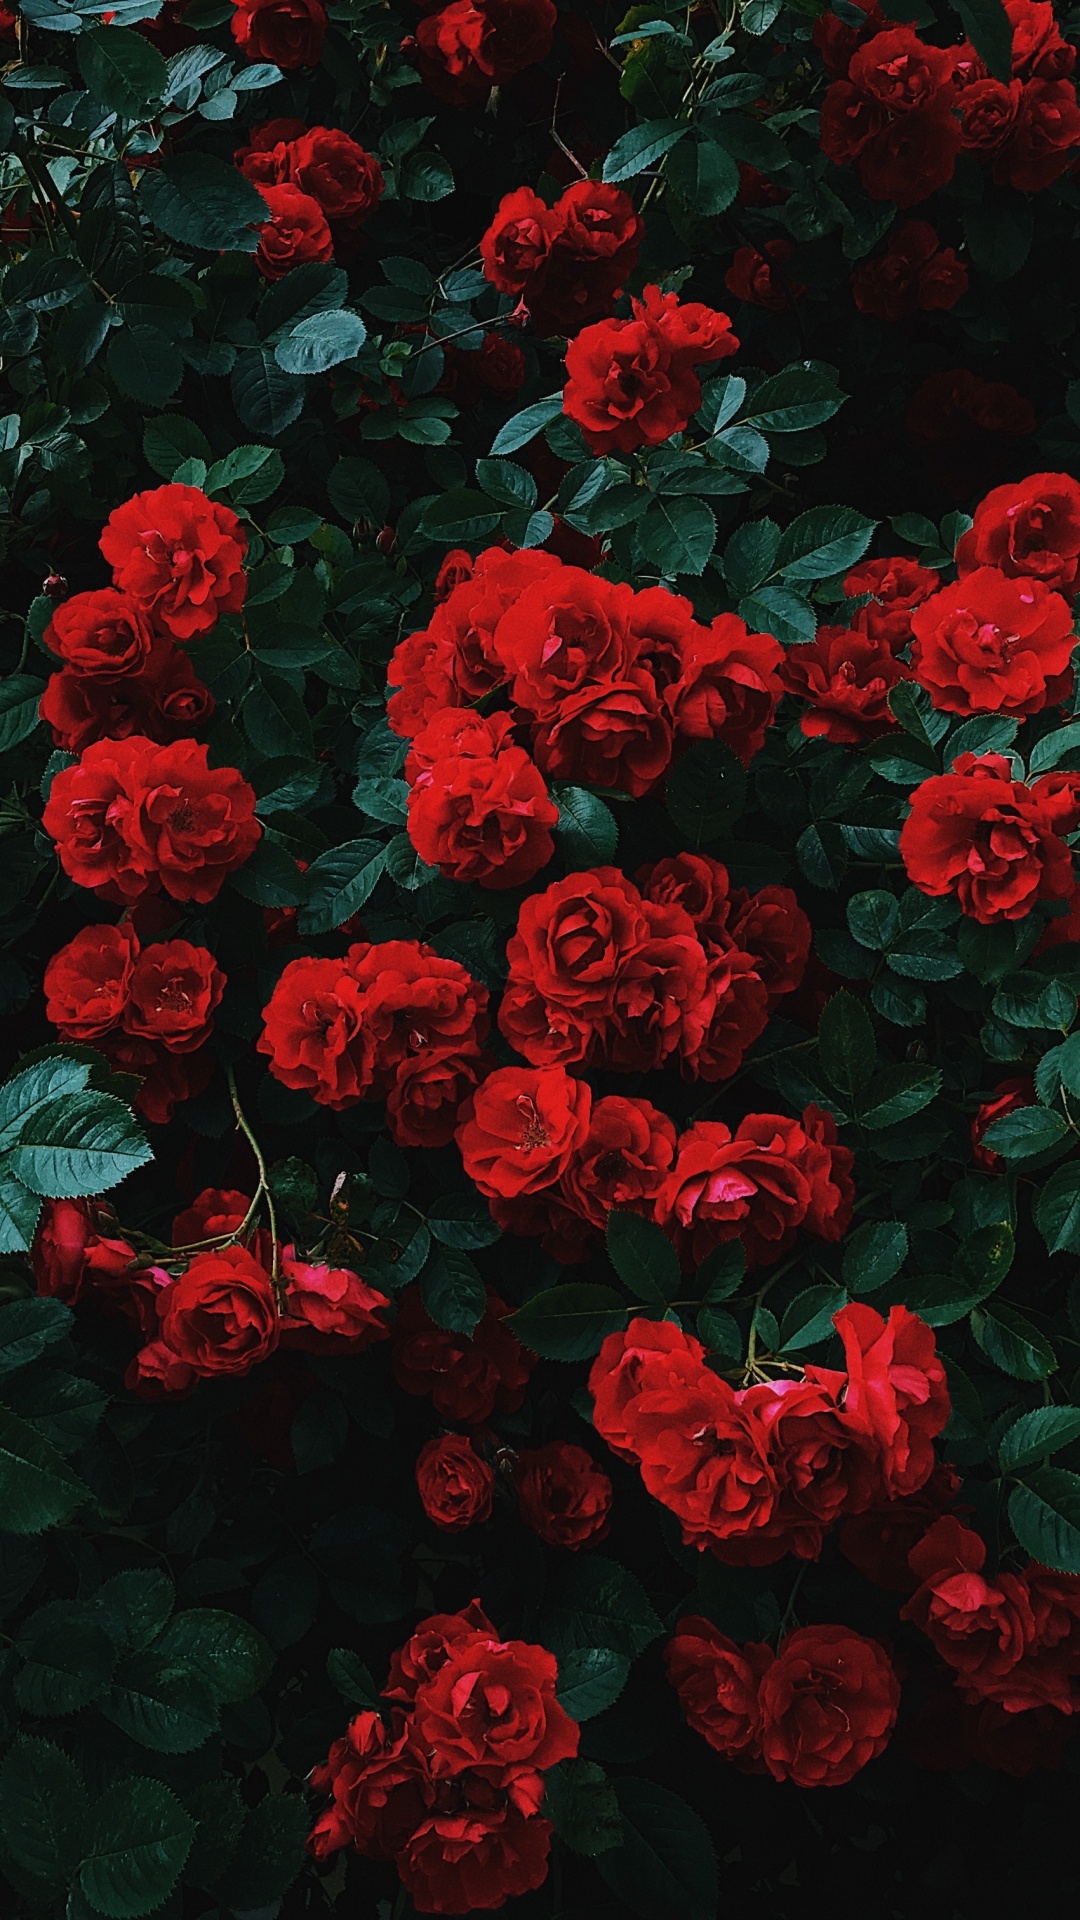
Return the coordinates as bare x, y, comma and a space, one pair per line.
263, 1192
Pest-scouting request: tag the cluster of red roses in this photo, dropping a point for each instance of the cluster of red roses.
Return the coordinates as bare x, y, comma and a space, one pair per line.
562, 1495
814, 1712
224, 1312
757, 1472
148, 1009
393, 1021
319, 186
605, 682
915, 274
633, 383
566, 264
902, 110
451, 1789
177, 560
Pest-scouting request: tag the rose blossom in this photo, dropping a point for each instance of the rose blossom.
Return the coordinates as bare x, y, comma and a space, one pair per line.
455, 1485
828, 1705
563, 1496
994, 842
179, 556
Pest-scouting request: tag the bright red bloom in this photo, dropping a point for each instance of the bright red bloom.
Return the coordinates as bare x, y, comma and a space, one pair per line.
1029, 530
214, 1211
296, 232
896, 584
567, 631
991, 644
220, 1315
1039, 49
336, 171
74, 1250
847, 678
631, 383
718, 1685
981, 1628
267, 159
314, 1034
915, 274
771, 927
758, 1185
329, 1309
477, 1848
88, 983
828, 1706
490, 1707
897, 1397
467, 1375
811, 1449
567, 262
454, 661
728, 687
990, 839
429, 1090
650, 1356
481, 810
428, 1649
179, 556
162, 699
470, 46
103, 632
562, 1494
379, 1787
289, 33
622, 1161
174, 990
522, 1128
516, 244
455, 1485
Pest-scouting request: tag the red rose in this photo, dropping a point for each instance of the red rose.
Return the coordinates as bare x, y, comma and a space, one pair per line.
991, 644
289, 33
481, 810
810, 1447
380, 1790
471, 46
1007, 1096
215, 1211
595, 237
490, 1707
455, 1485
414, 1000
132, 817
901, 71
267, 159
476, 1849
73, 1248
699, 885
521, 1129
759, 1185
295, 234
981, 1628
329, 1309
516, 244
338, 173
734, 1013
174, 990
1038, 48
718, 1684
879, 1540
990, 839
1049, 1672
88, 983
729, 686
455, 568
632, 382
649, 1356
911, 157
429, 1091
987, 113
704, 1455
156, 1373
1028, 530
179, 556
897, 1398
752, 276
103, 632
467, 1376
772, 928
836, 39
220, 1315
454, 661
896, 585
914, 275
622, 1161
847, 678
547, 1217
428, 1649
163, 700
566, 632
314, 1034
562, 1494
166, 1079
1042, 144
828, 1705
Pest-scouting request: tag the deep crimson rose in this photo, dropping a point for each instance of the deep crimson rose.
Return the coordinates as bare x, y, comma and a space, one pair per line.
516, 244
810, 1450
75, 1249
622, 1161
428, 1648
468, 1376
596, 235
429, 1090
1008, 1095
289, 33
846, 677
314, 1034
471, 46
157, 1373
491, 1706
616, 736
104, 632
879, 1540
729, 686
1028, 530
771, 927
649, 1356
414, 1000
166, 1079
476, 1849
828, 1706
733, 1014
758, 1185
133, 817
521, 1129
479, 809
163, 699
631, 383
295, 234
546, 1216
562, 1494
455, 1485
338, 173
379, 1790
836, 39
215, 1211
955, 405
329, 1309
754, 276
849, 120
173, 992
220, 1315
897, 1398
987, 111
704, 1455
455, 568
912, 156
565, 632
1044, 139
991, 644
88, 983
900, 70
914, 275
990, 839
979, 1627
497, 367
718, 1684
178, 556
896, 584
267, 159
699, 885
1038, 47
454, 661
1049, 1672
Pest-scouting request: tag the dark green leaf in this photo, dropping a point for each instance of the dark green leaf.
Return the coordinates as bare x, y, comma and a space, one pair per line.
580, 1802
643, 1257
453, 1292
1012, 1343
568, 1323
705, 791
587, 830
123, 70
846, 1042
665, 1867
874, 1254
591, 1680
1037, 1434
142, 1836
340, 882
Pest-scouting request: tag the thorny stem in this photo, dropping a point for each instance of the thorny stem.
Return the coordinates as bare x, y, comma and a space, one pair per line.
263, 1192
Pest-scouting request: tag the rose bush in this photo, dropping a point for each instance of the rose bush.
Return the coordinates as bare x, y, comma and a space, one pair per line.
540, 787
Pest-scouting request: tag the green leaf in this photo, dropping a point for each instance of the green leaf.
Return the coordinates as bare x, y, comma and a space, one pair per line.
643, 1257
1036, 1434
249, 474
347, 1672
142, 1836
678, 535
809, 1318
874, 1254
988, 27
122, 70
1012, 1343
665, 1867
719, 1331
199, 201
579, 1800
228, 1654
463, 1221
44, 1810
461, 513
269, 1856
161, 1704
705, 791
599, 1604
134, 1606
825, 541
266, 398
340, 882
846, 1044
704, 176
144, 363
1057, 1206
524, 426
587, 829
68, 1659
896, 1093
778, 610
20, 694
590, 1680
321, 341
568, 1323
795, 399
168, 442
81, 1143
37, 1487
750, 554
641, 147
453, 1292
1044, 1514
874, 919
28, 1327
721, 1272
